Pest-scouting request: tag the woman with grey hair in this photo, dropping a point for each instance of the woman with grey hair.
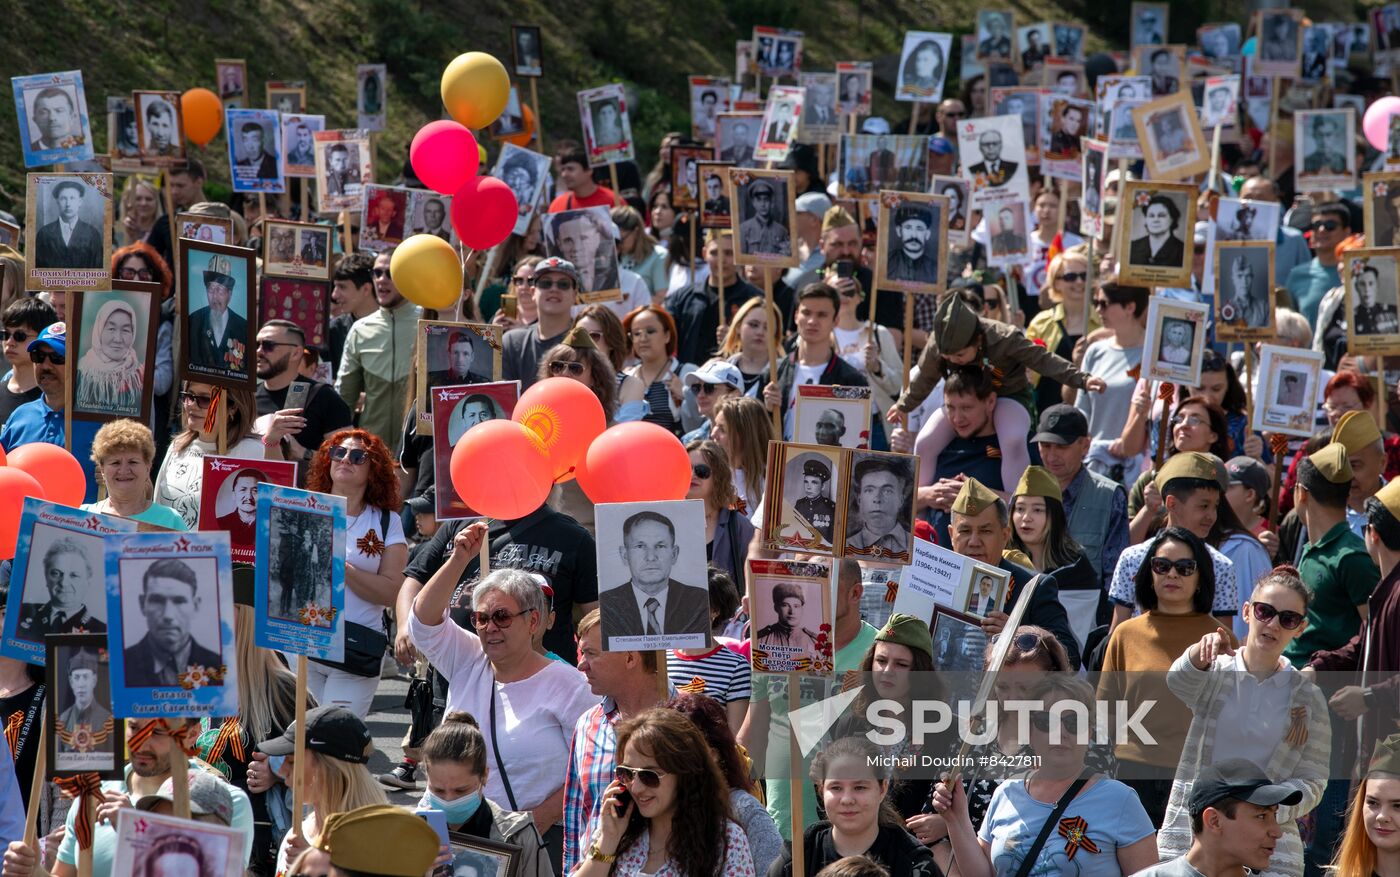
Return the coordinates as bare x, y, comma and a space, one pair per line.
527, 704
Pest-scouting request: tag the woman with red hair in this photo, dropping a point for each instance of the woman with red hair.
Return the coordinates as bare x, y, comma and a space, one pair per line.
140, 261
651, 333
356, 464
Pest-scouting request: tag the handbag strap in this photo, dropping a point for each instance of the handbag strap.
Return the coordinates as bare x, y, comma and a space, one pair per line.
496, 749
1060, 806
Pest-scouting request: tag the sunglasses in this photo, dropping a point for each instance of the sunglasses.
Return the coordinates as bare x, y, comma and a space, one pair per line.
558, 367
38, 357
702, 471
197, 399
1073, 276
1326, 225
19, 336
703, 389
264, 344
520, 281
134, 274
355, 456
1184, 567
1101, 304
1069, 722
1287, 619
650, 778
502, 618
565, 285
380, 272
992, 304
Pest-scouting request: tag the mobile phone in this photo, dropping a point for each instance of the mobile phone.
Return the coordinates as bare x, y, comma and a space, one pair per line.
624, 799
438, 820
297, 393
845, 268
509, 306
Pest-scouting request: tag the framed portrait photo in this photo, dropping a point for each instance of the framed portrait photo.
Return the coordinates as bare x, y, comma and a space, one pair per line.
478, 857
1094, 161
1220, 43
160, 128
299, 144
1324, 152
709, 96
1175, 344
583, 236
1172, 143
171, 593
1244, 303
1009, 224
451, 354
821, 120
996, 32
1069, 40
112, 366
429, 212
83, 204
736, 137
1280, 52
203, 227
878, 499
344, 166
648, 550
53, 118
524, 170
1149, 24
714, 204
763, 217
1220, 101
1156, 248
1370, 277
993, 153
1035, 43
1065, 121
607, 128
853, 94
801, 509
959, 647
84, 734
1385, 32
792, 617
527, 50
832, 416
777, 51
1066, 79
57, 580
457, 408
686, 190
228, 499
781, 116
11, 234
912, 244
1111, 89
1382, 201
255, 150
1317, 51
384, 218
372, 88
232, 76
511, 121
1237, 220
1023, 102
296, 249
1289, 386
956, 190
923, 65
123, 148
286, 97
1164, 66
871, 163
298, 300
150, 843
299, 590
986, 589
217, 301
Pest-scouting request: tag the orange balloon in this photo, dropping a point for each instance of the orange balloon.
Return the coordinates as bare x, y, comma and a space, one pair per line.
15, 485
203, 115
500, 470
2, 456
635, 462
54, 467
528, 134
566, 417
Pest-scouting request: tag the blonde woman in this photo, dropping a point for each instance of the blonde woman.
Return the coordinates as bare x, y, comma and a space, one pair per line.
743, 427
1061, 327
746, 343
139, 208
122, 452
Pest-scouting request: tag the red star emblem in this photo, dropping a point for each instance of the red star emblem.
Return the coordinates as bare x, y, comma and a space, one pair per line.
181, 545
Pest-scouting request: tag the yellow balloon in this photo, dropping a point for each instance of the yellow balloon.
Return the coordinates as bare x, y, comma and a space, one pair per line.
426, 271
475, 88
482, 150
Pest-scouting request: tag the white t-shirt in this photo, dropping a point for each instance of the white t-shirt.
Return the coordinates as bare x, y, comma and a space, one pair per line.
364, 549
535, 717
802, 374
850, 346
181, 476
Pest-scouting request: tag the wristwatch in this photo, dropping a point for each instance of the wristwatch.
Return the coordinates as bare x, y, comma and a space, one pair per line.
1369, 697
598, 855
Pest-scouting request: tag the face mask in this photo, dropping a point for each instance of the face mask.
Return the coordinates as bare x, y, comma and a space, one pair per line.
275, 763
458, 810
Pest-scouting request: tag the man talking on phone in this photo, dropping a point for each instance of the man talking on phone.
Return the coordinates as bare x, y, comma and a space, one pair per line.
294, 420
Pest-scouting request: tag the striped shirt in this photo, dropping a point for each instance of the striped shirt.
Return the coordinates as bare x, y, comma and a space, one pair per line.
720, 673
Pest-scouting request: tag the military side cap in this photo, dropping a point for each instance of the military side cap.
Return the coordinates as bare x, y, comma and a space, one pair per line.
836, 217
1188, 464
1356, 430
907, 630
784, 590
579, 339
973, 498
356, 841
1389, 496
816, 469
955, 325
1332, 462
1386, 757
1037, 481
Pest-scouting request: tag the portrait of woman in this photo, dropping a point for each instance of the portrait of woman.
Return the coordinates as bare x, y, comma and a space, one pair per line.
1177, 338
1160, 243
957, 219
110, 372
922, 71
607, 123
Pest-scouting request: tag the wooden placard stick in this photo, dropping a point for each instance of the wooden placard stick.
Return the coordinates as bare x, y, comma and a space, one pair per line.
1088, 283
1248, 385
795, 776
1380, 392
663, 681
298, 759
262, 209
874, 297
694, 256
535, 105
1214, 159
914, 117
772, 349
349, 244
1275, 85
908, 349
88, 803
612, 176
1064, 207
180, 778
719, 282
305, 188
1123, 212
36, 788
1163, 426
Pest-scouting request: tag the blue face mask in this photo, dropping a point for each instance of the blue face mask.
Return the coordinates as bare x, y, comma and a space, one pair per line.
275, 762
458, 810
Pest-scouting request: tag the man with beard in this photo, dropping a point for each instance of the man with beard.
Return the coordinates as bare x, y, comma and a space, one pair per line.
242, 522
55, 117
761, 233
71, 582
169, 603
68, 241
218, 334
913, 256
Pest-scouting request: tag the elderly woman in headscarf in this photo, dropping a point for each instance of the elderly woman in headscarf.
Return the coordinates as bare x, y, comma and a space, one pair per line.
110, 373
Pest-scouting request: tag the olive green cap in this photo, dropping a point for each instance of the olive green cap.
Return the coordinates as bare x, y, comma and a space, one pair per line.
974, 498
955, 325
1332, 462
356, 841
1037, 481
907, 630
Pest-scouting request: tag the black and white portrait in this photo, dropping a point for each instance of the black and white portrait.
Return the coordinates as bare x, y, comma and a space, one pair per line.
64, 589
1069, 41
1324, 149
1024, 103
955, 189
853, 95
1093, 181
170, 620
1244, 285
1008, 227
959, 647
806, 517
994, 32
232, 77
709, 96
1066, 120
84, 733
511, 120
821, 119
373, 83
1290, 387
1177, 341
1035, 43
1289, 380
777, 52
344, 164
154, 844
1237, 220
1280, 43
1373, 296
922, 66
835, 417
1175, 344
1159, 230
781, 116
763, 217
1163, 65
1149, 24
1317, 51
1220, 101
53, 116
1172, 143
911, 240
714, 185
429, 213
68, 226
584, 237
607, 132
993, 153
121, 129
686, 190
736, 137
527, 46
301, 548
526, 172
652, 581
299, 144
158, 123
1382, 193
880, 510
477, 857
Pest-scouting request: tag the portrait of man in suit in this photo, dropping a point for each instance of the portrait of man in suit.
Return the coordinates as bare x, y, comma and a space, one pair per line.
170, 602
71, 580
995, 32
1327, 153
54, 115
218, 334
67, 241
739, 144
650, 602
997, 171
241, 522
434, 219
253, 155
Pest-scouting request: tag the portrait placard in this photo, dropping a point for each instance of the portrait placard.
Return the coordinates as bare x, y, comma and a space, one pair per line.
452, 354
299, 582
171, 594
821, 120
607, 128
111, 370
296, 249
736, 137
968, 64
853, 95
53, 118
1123, 141
429, 212
833, 416
792, 615
1149, 26
648, 550
1109, 90
384, 218
461, 407
709, 96
878, 499
870, 163
912, 245
10, 234
1164, 66
1324, 154
123, 147
149, 843
524, 170
1069, 40
217, 297
1155, 249
1382, 202
923, 65
232, 76
1280, 52
996, 29
1244, 307
82, 203
1067, 79
1035, 44
777, 51
373, 88
203, 227
743, 59
685, 175
986, 588
527, 50
956, 190
344, 166
801, 511
228, 499
84, 735
1175, 346
584, 237
1317, 51
299, 144
1385, 33
304, 302
763, 223
993, 156
1093, 160
1170, 133
1064, 120
959, 649
1220, 102
254, 150
1023, 102
1220, 43
714, 180
56, 583
781, 116
286, 97
1009, 227
474, 856
1370, 277
160, 128
511, 121
1289, 382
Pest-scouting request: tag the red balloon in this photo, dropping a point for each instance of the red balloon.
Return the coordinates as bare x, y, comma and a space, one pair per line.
500, 470
2, 456
566, 417
15, 485
635, 462
54, 467
444, 155
484, 212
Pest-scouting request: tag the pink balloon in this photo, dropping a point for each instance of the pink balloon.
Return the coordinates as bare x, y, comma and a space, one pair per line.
483, 212
1376, 122
444, 155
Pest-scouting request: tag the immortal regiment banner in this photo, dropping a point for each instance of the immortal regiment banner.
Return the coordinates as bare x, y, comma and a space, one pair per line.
299, 591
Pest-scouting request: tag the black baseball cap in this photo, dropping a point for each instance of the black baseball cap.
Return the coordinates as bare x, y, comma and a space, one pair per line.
330, 730
1241, 779
1061, 424
1249, 472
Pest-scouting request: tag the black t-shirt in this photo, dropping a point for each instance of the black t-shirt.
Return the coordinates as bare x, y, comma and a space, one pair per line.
335, 338
28, 705
416, 454
325, 411
522, 350
894, 848
10, 400
546, 542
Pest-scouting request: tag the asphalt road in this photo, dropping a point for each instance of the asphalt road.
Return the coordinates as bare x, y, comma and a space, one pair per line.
388, 722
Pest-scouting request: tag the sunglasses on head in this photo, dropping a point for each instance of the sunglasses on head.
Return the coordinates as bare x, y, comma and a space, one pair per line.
1287, 619
42, 355
502, 618
199, 400
1184, 567
1073, 276
559, 366
650, 778
702, 470
354, 456
19, 336
564, 285
1325, 225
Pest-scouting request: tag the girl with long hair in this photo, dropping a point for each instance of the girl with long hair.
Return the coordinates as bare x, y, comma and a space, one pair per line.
743, 428
640, 252
727, 532
1371, 844
140, 207
605, 329
652, 332
1040, 529
181, 474
747, 342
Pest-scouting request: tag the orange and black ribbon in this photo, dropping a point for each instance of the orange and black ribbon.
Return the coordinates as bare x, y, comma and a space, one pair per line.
184, 736
231, 739
1075, 831
211, 421
82, 788
1278, 443
891, 591
12, 726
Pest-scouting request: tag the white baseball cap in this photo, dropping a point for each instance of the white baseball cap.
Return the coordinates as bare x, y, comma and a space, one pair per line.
716, 371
